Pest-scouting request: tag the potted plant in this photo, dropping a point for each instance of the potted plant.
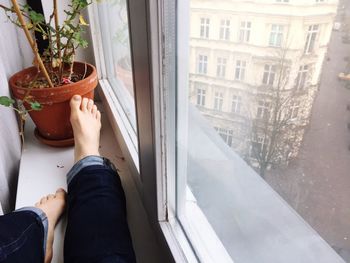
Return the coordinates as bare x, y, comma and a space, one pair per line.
45, 89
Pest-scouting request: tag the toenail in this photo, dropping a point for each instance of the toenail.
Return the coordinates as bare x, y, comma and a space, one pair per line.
76, 97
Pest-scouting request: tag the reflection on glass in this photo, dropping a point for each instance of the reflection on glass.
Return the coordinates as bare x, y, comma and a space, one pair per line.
120, 65
270, 79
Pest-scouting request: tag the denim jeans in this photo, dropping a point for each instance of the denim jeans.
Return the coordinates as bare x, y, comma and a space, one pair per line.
97, 229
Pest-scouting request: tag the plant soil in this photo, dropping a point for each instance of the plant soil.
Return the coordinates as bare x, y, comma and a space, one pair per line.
40, 82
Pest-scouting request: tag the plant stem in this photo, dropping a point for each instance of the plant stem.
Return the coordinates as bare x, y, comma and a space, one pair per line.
58, 39
31, 41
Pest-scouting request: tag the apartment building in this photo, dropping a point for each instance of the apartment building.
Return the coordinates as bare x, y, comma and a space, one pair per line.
255, 68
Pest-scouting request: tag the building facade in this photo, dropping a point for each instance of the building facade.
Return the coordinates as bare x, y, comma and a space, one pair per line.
255, 68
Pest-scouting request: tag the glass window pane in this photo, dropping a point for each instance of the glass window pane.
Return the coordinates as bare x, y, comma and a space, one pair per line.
266, 159
116, 43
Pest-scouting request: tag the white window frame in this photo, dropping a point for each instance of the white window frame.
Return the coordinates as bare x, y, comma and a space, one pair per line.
221, 67
236, 104
225, 25
302, 77
294, 109
263, 110
201, 94
276, 35
245, 31
119, 118
240, 70
204, 27
202, 64
226, 135
311, 38
218, 100
263, 143
269, 75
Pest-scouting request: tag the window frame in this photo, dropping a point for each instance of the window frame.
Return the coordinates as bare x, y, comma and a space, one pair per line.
152, 28
311, 38
200, 96
276, 35
221, 63
159, 61
236, 104
225, 28
240, 70
202, 64
269, 74
245, 31
204, 27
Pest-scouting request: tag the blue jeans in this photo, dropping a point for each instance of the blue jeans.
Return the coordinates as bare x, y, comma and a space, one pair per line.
97, 229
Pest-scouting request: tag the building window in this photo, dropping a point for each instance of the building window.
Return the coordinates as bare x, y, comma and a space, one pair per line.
240, 69
204, 29
302, 77
294, 109
218, 100
225, 29
201, 97
259, 146
244, 31
226, 135
311, 38
269, 74
236, 104
276, 36
263, 111
202, 64
221, 67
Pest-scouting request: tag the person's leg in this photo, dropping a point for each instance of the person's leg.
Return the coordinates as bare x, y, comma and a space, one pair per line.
97, 229
27, 234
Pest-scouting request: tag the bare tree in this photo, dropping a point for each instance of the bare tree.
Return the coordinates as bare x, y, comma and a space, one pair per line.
275, 132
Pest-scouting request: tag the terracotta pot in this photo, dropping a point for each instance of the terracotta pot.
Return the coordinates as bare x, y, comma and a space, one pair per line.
52, 122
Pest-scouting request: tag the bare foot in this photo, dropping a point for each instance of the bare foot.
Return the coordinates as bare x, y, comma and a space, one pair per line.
53, 206
86, 123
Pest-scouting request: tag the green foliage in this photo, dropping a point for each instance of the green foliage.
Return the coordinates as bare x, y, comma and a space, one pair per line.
79, 40
63, 39
80, 4
6, 101
36, 18
36, 106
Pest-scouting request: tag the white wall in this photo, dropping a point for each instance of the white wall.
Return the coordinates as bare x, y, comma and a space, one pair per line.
15, 54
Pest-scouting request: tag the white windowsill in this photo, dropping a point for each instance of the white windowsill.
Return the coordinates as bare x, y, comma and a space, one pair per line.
43, 169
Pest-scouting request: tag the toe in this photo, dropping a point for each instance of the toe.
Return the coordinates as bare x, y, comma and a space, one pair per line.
94, 110
75, 102
90, 105
98, 115
43, 200
60, 193
84, 104
49, 197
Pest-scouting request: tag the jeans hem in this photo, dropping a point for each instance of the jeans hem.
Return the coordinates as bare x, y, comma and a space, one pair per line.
41, 214
81, 164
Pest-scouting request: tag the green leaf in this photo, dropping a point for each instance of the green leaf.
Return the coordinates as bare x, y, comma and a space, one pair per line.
36, 106
80, 4
36, 17
6, 101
